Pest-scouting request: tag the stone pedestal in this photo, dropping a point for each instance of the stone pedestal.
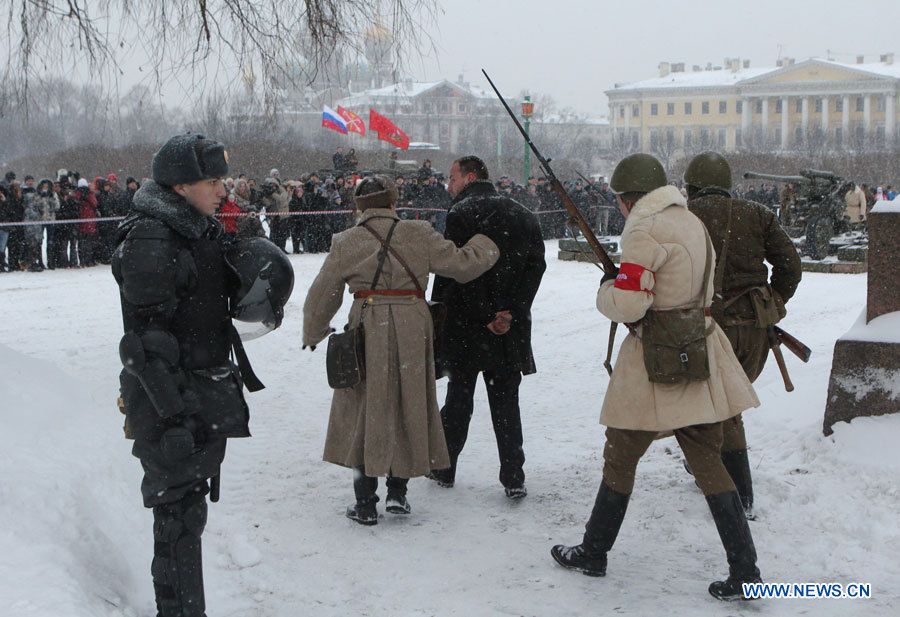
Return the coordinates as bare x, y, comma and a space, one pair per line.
865, 371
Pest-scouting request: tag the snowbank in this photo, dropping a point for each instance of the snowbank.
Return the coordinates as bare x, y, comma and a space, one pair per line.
67, 522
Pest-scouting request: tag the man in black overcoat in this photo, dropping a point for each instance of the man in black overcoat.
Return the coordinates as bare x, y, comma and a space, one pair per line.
488, 326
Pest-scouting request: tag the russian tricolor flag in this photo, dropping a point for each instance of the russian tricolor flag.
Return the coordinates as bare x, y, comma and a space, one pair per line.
332, 120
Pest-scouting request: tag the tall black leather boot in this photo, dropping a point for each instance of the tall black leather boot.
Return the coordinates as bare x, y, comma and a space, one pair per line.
728, 513
737, 464
600, 533
177, 564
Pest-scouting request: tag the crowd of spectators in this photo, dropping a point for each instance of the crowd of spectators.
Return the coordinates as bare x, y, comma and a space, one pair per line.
36, 235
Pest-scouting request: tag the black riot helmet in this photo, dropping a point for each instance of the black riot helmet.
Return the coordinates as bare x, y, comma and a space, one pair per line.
265, 281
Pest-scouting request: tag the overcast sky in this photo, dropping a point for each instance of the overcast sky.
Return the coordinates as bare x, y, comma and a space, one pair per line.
576, 49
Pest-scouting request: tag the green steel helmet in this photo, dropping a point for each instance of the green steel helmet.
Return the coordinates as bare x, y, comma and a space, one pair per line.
709, 169
638, 173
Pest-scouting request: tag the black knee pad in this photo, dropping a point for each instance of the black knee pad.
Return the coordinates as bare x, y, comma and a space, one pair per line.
195, 511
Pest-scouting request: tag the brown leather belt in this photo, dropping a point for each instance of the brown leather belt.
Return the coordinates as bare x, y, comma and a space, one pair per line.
359, 295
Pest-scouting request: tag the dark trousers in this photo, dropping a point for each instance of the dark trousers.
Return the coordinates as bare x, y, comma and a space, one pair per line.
701, 445
364, 486
503, 398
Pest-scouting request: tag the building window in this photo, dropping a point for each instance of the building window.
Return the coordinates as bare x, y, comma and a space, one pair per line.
799, 106
688, 139
428, 108
621, 111
654, 109
759, 105
881, 103
445, 107
798, 135
670, 137
704, 137
778, 106
778, 135
445, 131
704, 107
670, 109
723, 135
738, 138
860, 103
838, 136
819, 106
635, 111
860, 134
406, 109
739, 107
688, 109
839, 104
461, 108
634, 139
654, 139
879, 135
723, 107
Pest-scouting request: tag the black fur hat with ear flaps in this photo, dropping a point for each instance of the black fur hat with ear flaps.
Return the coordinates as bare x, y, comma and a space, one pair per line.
189, 158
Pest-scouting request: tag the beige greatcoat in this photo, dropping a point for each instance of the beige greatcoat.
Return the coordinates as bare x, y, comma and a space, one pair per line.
390, 422
665, 238
856, 205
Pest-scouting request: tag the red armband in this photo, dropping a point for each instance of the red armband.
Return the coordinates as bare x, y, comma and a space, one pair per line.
630, 277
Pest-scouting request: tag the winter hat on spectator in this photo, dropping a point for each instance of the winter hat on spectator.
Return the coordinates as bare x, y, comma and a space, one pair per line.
83, 183
189, 158
10, 176
375, 192
112, 178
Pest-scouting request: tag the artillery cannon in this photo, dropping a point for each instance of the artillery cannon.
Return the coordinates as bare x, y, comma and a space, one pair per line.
817, 209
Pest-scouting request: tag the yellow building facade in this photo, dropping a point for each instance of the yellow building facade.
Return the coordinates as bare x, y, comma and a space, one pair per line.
810, 104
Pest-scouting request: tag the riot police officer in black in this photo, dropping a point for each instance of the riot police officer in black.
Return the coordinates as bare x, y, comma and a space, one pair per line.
181, 392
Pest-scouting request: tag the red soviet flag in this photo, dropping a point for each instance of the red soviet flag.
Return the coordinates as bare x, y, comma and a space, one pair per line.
387, 130
355, 124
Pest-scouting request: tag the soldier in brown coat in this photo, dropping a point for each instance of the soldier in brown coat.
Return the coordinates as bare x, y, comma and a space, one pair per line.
745, 236
389, 424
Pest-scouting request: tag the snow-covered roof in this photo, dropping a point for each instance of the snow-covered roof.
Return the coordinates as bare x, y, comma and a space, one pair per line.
558, 119
727, 77
876, 68
409, 89
697, 79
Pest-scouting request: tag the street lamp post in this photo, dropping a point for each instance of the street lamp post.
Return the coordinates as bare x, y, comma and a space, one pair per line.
527, 112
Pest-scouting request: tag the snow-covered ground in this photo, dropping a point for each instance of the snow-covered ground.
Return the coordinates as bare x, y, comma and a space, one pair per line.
75, 541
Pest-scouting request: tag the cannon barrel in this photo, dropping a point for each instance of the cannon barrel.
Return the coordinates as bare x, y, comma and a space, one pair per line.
753, 175
825, 175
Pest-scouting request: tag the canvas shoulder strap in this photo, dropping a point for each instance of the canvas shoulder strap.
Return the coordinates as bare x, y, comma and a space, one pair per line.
386, 245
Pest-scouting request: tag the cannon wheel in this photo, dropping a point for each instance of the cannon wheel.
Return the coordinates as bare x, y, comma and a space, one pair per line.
819, 231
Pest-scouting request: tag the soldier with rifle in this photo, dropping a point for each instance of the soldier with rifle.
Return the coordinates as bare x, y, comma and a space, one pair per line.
675, 371
747, 301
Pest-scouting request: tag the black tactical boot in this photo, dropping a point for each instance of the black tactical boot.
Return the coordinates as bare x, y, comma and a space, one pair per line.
738, 465
600, 533
177, 564
364, 512
734, 532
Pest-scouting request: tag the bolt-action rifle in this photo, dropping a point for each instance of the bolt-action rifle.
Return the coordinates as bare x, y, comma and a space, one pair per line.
606, 264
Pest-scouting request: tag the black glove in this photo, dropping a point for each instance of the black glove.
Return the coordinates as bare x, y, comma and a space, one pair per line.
610, 276
185, 435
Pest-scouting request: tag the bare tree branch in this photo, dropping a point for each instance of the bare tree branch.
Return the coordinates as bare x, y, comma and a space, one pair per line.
274, 41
